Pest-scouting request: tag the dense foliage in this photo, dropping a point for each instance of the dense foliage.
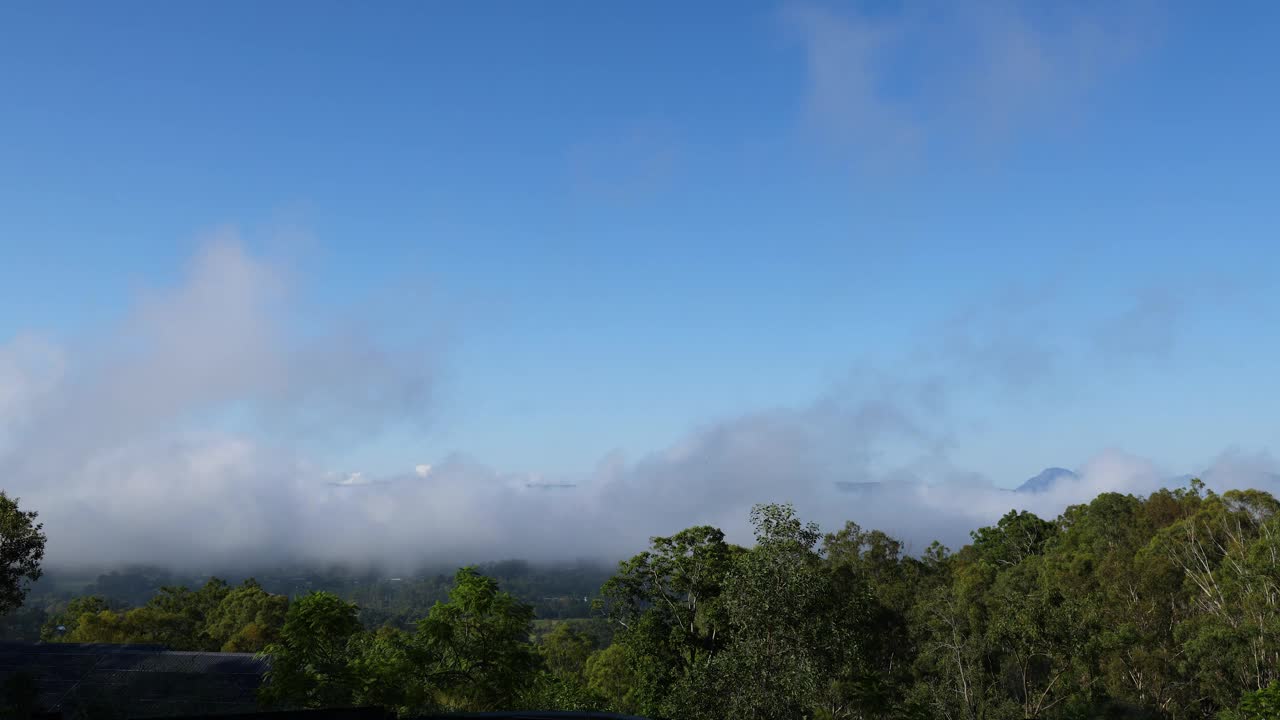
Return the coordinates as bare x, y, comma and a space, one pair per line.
556, 592
21, 550
214, 617
1166, 606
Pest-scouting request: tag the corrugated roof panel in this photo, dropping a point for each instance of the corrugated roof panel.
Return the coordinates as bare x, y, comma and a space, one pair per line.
138, 678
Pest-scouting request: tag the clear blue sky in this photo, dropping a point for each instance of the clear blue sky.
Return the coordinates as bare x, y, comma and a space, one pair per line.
635, 219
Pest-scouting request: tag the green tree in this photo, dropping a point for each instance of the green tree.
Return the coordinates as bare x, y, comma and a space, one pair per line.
213, 617
477, 645
1228, 556
992, 642
247, 619
389, 672
610, 675
190, 611
140, 625
1033, 636
106, 626
1123, 610
668, 607
550, 692
565, 651
562, 684
1017, 536
792, 629
1262, 704
874, 563
21, 550
64, 623
311, 665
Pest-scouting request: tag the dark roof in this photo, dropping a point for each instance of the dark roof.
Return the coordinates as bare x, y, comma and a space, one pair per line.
136, 681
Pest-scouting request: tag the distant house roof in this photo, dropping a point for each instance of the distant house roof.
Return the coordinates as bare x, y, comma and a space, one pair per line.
135, 681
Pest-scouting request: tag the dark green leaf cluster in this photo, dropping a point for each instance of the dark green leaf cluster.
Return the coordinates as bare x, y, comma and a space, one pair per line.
214, 617
470, 653
21, 550
1165, 606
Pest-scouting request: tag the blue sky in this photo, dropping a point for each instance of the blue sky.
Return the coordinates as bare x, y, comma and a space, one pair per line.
618, 224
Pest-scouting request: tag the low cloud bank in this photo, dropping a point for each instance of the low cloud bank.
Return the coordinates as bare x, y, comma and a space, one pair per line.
187, 438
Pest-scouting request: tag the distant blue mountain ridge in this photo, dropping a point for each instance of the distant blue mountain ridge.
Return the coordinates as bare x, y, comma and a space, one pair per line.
1045, 480
1051, 476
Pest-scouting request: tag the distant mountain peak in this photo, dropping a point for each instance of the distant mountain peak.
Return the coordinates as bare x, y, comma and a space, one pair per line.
1046, 479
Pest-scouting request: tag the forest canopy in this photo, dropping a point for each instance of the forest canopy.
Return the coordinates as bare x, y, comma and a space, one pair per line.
1165, 606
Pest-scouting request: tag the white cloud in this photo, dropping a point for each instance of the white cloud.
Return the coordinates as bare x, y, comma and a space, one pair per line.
187, 437
355, 478
121, 441
892, 87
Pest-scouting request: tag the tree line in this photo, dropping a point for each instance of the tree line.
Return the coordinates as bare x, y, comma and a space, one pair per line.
556, 591
1164, 606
